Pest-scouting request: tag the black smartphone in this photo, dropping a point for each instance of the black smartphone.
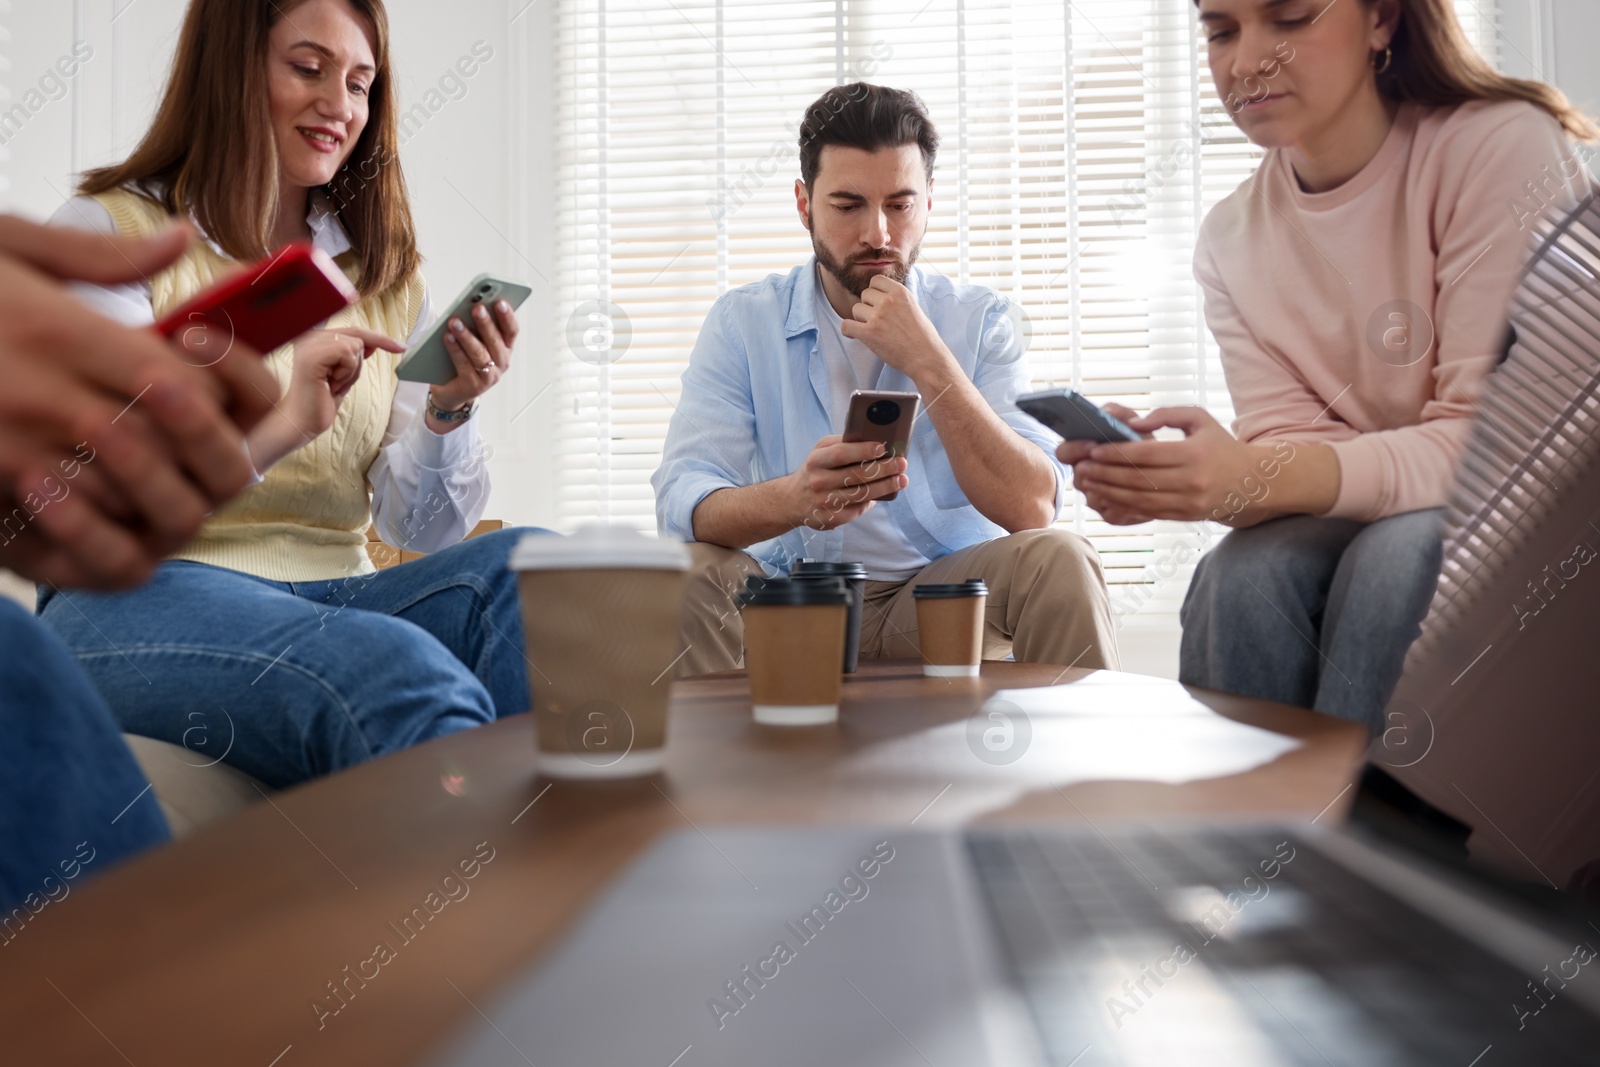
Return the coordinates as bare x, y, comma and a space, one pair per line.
1075, 417
885, 417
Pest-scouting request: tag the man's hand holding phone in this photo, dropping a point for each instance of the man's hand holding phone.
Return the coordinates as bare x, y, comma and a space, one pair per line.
840, 481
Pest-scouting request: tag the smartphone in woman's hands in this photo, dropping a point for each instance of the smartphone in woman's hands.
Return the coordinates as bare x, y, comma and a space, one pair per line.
430, 361
1075, 417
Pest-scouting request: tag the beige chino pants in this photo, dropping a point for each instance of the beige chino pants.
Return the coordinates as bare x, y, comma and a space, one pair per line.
1047, 604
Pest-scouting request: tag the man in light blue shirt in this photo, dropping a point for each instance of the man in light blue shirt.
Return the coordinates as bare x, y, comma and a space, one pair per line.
754, 470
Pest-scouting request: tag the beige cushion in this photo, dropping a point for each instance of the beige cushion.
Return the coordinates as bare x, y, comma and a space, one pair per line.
15, 587
191, 790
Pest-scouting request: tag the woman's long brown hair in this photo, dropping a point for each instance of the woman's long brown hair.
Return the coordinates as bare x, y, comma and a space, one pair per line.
211, 148
1434, 64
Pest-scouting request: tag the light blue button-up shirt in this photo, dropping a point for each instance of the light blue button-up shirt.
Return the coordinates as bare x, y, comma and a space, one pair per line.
755, 403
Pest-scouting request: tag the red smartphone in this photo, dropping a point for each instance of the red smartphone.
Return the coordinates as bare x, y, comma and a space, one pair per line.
883, 417
269, 303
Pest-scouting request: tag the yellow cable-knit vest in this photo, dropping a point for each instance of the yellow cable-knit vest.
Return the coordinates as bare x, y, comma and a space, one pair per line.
307, 519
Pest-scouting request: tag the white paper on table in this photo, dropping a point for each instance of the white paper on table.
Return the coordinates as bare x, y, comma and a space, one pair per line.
1122, 726
1104, 727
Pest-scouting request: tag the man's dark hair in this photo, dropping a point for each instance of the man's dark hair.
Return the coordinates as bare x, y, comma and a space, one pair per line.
869, 117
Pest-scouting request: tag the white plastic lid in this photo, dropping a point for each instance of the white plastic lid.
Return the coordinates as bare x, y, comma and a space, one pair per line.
597, 546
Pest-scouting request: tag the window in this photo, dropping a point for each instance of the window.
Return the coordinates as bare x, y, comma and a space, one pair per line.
1082, 146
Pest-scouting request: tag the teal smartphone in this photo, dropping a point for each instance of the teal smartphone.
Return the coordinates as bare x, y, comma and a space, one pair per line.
429, 361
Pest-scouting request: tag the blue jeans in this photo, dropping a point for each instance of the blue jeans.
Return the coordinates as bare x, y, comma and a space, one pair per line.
291, 680
72, 800
1314, 612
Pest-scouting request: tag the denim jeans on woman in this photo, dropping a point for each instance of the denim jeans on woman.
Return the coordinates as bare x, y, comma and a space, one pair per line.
291, 680
1314, 612
72, 800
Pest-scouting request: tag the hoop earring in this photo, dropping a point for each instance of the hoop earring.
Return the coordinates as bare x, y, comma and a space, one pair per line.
1388, 61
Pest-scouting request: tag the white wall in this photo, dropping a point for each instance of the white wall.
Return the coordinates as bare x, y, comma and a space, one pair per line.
1553, 40
480, 168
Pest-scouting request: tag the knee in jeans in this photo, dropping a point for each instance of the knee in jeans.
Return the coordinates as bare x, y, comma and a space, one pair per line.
1227, 582
367, 645
1402, 552
504, 544
494, 549
22, 635
1246, 556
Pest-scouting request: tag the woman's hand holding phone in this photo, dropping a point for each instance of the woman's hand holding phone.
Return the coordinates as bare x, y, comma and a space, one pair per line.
327, 364
481, 355
1204, 476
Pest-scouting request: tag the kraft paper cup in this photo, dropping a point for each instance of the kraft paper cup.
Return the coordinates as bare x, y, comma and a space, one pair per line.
950, 627
600, 612
794, 633
855, 580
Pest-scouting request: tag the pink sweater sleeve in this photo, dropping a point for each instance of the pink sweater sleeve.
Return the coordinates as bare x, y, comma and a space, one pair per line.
1482, 242
1273, 401
1478, 243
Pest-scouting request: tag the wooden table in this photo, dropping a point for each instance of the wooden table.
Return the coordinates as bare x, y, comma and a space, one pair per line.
215, 950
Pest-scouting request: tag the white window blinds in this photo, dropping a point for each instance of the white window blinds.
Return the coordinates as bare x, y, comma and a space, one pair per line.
1082, 146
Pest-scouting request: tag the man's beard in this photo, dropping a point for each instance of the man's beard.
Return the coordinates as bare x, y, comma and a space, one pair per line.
856, 280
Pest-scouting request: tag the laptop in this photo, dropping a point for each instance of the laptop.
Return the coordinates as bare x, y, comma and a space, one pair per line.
1266, 944
1258, 944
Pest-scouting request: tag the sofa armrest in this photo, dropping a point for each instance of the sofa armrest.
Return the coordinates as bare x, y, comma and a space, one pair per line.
15, 587
192, 790
385, 555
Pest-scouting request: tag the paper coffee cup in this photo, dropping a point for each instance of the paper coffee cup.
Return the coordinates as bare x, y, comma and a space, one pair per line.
950, 627
794, 635
855, 580
600, 613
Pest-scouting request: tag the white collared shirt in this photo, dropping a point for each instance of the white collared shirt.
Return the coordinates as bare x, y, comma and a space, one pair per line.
413, 464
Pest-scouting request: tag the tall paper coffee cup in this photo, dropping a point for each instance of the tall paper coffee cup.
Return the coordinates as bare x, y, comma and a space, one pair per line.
855, 581
794, 633
950, 627
600, 612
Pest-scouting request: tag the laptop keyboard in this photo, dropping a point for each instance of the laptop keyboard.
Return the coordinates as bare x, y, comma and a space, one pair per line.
1249, 948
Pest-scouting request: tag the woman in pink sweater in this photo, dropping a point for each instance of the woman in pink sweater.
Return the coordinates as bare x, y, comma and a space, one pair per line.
1357, 286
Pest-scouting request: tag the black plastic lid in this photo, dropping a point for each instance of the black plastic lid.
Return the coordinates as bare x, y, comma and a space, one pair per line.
816, 568
970, 587
771, 592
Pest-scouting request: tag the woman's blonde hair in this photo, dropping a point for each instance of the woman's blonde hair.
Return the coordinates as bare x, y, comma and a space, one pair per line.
211, 148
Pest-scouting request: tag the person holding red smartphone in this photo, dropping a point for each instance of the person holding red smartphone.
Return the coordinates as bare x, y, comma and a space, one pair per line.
113, 447
279, 123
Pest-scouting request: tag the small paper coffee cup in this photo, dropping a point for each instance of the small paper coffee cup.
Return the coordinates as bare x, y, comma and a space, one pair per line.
950, 627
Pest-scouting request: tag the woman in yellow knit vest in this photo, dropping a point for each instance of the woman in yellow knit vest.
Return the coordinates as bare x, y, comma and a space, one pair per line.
270, 642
